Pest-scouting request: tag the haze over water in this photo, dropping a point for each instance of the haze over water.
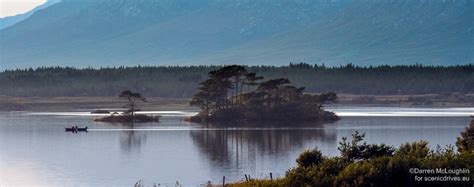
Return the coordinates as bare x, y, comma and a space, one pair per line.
35, 150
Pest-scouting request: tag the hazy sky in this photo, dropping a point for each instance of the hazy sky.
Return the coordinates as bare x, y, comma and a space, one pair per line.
14, 7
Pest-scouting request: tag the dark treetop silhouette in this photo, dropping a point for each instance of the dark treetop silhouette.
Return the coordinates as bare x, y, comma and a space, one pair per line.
131, 97
222, 98
129, 115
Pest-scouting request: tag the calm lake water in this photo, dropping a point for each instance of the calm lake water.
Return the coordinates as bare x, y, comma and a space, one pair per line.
35, 150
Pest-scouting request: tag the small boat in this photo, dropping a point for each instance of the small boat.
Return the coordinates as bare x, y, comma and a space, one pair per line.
75, 129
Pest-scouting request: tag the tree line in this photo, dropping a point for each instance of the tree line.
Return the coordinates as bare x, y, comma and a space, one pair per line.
182, 81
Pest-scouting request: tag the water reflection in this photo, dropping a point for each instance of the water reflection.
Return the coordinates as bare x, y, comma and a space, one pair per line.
36, 150
231, 148
131, 141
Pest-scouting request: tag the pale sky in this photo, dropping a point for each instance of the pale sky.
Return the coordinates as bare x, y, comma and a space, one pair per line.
14, 7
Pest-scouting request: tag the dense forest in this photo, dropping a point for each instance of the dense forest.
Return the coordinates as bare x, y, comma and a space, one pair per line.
182, 81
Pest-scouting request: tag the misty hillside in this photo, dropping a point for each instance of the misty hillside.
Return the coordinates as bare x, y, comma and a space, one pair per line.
11, 20
96, 33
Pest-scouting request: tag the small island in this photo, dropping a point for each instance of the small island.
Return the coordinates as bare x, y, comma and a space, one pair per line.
129, 116
100, 112
232, 94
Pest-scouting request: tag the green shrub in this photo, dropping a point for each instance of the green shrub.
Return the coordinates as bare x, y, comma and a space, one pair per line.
310, 158
418, 149
377, 150
355, 174
354, 150
465, 141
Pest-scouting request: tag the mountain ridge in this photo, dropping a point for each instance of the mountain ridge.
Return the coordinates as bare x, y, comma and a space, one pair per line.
11, 20
165, 32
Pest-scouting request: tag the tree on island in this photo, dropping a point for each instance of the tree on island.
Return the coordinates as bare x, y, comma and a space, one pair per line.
129, 115
132, 98
222, 98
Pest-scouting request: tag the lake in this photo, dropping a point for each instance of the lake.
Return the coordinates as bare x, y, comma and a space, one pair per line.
35, 150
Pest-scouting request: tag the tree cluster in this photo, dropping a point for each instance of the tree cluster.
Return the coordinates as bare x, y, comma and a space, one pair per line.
235, 94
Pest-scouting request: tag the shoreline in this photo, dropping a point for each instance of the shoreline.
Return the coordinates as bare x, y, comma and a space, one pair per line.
52, 104
9, 103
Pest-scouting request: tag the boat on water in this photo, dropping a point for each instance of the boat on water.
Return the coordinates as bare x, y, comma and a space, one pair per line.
75, 129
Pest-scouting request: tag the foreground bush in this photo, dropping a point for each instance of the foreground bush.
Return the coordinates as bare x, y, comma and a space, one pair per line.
466, 141
362, 164
310, 158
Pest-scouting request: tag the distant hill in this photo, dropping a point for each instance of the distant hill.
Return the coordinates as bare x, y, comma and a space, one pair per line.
11, 20
182, 32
